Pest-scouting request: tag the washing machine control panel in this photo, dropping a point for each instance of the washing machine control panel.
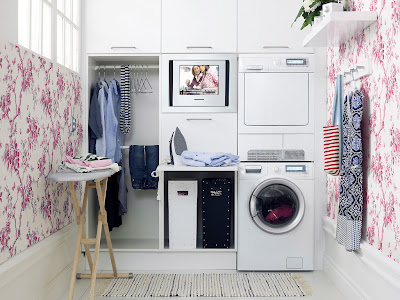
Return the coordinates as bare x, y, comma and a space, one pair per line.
290, 169
294, 170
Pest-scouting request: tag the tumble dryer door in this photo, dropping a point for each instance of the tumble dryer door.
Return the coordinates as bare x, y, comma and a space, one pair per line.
277, 205
276, 99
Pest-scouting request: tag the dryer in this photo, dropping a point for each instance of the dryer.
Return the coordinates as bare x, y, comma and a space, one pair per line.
275, 216
276, 107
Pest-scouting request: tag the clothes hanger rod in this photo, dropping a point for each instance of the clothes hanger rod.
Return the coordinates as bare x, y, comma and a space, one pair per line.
119, 66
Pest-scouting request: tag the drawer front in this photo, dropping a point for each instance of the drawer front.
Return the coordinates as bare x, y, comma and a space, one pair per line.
202, 132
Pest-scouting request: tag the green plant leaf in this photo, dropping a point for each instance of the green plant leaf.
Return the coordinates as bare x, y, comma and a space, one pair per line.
301, 11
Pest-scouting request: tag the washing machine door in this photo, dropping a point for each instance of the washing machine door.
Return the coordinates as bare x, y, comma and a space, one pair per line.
277, 205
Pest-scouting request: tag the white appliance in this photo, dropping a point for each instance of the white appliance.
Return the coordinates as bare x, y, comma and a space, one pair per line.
275, 216
276, 107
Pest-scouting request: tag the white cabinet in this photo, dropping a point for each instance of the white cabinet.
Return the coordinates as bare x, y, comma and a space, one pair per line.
216, 132
199, 27
266, 24
122, 26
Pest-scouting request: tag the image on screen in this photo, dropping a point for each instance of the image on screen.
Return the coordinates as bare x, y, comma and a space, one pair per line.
198, 80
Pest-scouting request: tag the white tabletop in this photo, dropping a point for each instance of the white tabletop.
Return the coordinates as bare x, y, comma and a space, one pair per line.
66, 176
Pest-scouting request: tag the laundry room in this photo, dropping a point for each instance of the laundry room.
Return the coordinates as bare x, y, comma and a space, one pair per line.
226, 148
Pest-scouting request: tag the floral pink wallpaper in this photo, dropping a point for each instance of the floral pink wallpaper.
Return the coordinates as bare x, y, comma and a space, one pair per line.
37, 100
381, 123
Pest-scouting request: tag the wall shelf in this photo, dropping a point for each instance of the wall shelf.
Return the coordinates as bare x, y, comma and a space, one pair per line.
337, 27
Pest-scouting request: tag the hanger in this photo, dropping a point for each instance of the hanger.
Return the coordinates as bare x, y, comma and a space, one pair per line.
114, 72
141, 80
148, 82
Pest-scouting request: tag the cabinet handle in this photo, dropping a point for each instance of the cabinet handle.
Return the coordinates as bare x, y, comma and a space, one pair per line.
199, 47
275, 47
130, 47
199, 119
255, 67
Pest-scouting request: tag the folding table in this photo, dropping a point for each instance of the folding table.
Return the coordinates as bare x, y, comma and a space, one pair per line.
98, 181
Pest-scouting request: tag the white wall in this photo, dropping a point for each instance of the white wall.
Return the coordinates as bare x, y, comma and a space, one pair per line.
362, 274
44, 270
9, 21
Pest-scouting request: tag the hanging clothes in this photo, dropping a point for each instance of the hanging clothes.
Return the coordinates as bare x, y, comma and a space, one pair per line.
111, 121
95, 126
112, 203
143, 160
337, 115
102, 99
349, 223
125, 112
115, 100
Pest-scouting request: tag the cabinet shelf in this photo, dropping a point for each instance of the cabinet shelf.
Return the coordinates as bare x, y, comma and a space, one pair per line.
140, 245
337, 27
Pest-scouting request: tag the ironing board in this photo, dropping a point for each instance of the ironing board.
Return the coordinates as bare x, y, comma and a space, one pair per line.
98, 181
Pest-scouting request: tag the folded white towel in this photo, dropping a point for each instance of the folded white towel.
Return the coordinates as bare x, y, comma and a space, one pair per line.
81, 169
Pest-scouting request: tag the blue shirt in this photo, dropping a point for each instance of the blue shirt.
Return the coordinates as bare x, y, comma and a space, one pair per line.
102, 98
115, 97
111, 122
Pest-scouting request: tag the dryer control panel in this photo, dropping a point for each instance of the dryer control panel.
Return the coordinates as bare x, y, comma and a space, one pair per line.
277, 62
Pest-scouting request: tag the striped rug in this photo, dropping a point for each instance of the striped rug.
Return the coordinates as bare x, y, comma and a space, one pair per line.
209, 285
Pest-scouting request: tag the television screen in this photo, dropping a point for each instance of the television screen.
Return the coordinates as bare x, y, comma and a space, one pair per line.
198, 79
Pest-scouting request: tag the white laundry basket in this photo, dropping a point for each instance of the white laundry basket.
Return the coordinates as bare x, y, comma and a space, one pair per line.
182, 214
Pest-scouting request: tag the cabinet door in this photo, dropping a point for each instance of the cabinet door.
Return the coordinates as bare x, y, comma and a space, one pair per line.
202, 132
199, 26
266, 24
122, 26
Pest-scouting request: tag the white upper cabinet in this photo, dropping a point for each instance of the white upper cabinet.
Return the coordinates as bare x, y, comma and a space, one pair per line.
199, 26
122, 26
266, 24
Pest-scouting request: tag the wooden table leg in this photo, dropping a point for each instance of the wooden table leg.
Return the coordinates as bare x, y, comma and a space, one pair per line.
101, 187
103, 190
95, 259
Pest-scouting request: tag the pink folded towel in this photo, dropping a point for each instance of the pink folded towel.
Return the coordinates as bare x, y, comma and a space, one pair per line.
92, 164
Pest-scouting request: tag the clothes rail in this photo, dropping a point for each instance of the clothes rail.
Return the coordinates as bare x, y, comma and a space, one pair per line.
355, 72
136, 66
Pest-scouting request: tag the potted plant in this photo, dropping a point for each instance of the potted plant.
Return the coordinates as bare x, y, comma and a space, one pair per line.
311, 9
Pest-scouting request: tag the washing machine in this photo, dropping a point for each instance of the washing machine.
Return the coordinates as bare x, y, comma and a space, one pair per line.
276, 107
275, 216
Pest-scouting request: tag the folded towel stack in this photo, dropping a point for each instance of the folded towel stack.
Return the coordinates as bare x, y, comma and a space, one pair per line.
88, 163
209, 159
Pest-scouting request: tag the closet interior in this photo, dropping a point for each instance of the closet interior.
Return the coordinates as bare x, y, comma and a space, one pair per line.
140, 225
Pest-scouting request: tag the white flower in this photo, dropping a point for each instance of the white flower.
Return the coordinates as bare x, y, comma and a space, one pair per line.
307, 5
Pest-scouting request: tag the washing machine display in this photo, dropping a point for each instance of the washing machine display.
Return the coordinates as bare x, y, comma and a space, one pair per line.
277, 206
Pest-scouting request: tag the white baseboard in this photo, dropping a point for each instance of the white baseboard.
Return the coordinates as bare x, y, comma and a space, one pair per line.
43, 271
362, 274
167, 260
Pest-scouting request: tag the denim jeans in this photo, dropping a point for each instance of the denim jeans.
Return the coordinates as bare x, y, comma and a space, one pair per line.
142, 161
151, 165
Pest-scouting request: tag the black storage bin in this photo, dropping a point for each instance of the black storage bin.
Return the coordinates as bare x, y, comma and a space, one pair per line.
217, 212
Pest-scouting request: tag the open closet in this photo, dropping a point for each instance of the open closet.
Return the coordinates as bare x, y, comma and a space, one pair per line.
140, 227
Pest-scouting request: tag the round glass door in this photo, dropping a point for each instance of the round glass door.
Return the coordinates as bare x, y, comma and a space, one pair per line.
277, 206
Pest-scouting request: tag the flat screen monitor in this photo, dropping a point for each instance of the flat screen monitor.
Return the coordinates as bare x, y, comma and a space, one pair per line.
199, 83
